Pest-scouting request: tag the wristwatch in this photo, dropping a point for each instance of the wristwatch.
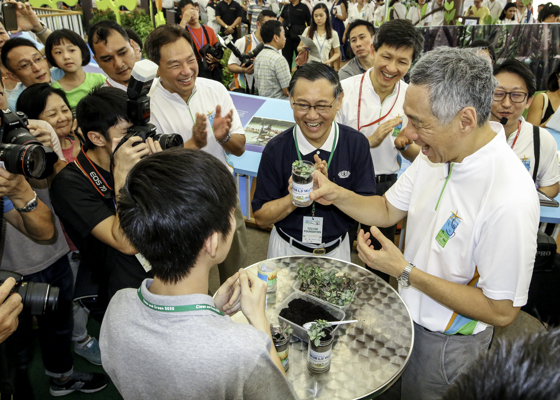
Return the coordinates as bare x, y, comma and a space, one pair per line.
228, 137
42, 30
403, 279
30, 206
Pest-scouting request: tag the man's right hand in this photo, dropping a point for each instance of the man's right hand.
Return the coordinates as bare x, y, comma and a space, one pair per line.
128, 155
9, 310
253, 299
324, 191
199, 132
27, 20
249, 70
382, 131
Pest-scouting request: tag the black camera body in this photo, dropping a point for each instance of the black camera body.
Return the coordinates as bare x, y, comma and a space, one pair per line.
138, 107
38, 298
216, 51
20, 152
246, 59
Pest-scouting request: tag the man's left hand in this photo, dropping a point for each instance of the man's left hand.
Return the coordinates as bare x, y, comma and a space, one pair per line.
13, 184
27, 20
222, 125
211, 59
402, 141
228, 298
41, 134
389, 259
321, 165
128, 154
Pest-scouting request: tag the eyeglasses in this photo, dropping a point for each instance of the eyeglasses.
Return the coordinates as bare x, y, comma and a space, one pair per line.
515, 97
319, 108
36, 60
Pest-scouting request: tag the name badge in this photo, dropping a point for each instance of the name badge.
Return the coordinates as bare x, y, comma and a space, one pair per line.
312, 230
145, 263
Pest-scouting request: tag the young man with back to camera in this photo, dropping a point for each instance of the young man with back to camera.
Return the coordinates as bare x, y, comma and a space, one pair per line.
170, 339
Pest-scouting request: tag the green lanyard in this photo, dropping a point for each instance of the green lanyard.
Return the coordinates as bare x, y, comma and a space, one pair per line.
445, 184
330, 157
192, 307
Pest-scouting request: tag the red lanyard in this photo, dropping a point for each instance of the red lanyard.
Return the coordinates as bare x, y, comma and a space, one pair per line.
360, 104
516, 136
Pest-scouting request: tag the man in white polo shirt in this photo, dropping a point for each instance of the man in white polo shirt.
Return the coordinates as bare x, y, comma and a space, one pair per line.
514, 94
373, 102
473, 216
198, 109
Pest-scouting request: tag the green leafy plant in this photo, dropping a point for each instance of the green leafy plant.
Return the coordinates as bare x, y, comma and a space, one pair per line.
282, 331
449, 11
424, 9
317, 331
302, 169
338, 290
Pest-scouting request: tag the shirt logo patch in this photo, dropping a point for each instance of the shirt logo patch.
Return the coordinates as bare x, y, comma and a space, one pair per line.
526, 162
210, 115
344, 174
448, 231
397, 130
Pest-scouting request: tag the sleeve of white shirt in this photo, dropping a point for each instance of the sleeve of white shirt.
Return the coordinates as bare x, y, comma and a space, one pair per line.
548, 165
399, 194
240, 45
335, 41
54, 138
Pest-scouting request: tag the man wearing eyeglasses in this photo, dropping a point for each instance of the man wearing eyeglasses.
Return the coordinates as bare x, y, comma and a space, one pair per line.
339, 152
514, 94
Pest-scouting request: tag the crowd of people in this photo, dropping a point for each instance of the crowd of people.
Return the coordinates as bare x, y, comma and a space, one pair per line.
122, 214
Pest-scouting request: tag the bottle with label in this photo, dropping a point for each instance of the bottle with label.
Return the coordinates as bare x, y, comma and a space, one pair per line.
267, 272
302, 182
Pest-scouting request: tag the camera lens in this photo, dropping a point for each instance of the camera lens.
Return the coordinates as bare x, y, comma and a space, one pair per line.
168, 141
20, 136
38, 298
28, 160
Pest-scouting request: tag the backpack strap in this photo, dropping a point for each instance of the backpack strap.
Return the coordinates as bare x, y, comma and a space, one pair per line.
545, 105
536, 150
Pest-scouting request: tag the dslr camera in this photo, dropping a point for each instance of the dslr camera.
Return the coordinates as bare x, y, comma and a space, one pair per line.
38, 298
246, 59
138, 107
20, 152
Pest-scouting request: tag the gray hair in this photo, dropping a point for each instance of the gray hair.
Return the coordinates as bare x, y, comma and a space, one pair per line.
456, 78
313, 71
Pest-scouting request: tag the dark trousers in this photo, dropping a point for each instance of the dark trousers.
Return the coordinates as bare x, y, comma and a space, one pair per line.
55, 328
289, 49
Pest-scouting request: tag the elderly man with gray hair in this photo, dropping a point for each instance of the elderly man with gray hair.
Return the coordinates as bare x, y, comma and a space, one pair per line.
473, 216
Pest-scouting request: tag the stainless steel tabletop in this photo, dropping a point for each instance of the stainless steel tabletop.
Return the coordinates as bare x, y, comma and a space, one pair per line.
367, 356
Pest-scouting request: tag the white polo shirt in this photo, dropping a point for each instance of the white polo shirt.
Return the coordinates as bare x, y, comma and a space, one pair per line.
385, 155
480, 218
171, 114
495, 7
548, 165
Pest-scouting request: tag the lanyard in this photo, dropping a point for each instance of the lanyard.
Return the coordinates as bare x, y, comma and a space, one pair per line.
319, 43
516, 136
192, 307
196, 40
445, 185
87, 167
360, 104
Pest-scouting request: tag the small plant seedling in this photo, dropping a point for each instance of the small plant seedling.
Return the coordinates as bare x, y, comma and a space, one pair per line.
317, 331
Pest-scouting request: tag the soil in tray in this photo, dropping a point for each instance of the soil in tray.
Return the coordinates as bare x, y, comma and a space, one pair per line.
300, 311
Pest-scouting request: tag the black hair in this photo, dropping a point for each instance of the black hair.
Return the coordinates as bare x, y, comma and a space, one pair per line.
361, 22
171, 233
33, 100
506, 7
523, 368
548, 10
162, 35
269, 29
399, 33
552, 83
99, 110
485, 45
182, 4
313, 26
57, 37
12, 44
132, 35
100, 31
266, 13
518, 68
313, 71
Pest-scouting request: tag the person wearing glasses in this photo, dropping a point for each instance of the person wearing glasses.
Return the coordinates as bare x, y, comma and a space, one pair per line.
338, 151
514, 94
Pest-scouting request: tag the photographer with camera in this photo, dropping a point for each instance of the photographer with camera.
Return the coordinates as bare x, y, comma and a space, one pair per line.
208, 54
243, 80
200, 110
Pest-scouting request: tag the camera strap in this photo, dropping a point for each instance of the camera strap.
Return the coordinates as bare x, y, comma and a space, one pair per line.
88, 168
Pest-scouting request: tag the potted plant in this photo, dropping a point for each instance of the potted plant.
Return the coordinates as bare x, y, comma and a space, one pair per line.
281, 338
326, 285
302, 182
320, 347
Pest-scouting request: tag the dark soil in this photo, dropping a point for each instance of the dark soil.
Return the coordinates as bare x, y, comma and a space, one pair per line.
300, 311
301, 180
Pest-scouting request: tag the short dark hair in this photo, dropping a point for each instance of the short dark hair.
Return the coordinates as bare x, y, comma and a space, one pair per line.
548, 10
132, 35
33, 100
552, 83
399, 33
313, 71
523, 368
361, 22
100, 31
269, 29
171, 233
182, 4
162, 35
266, 13
57, 37
518, 68
12, 44
485, 45
99, 110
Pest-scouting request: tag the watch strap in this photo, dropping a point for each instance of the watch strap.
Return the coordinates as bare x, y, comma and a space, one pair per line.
228, 137
30, 206
404, 278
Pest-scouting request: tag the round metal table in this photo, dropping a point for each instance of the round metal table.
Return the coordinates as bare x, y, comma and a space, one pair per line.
367, 356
